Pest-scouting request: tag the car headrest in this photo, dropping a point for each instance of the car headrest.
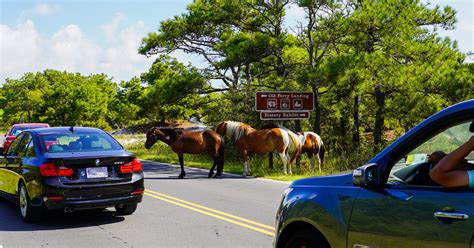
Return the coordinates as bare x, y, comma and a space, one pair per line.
96, 145
55, 148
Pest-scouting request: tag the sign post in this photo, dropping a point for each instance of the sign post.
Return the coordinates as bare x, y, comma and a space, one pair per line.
284, 105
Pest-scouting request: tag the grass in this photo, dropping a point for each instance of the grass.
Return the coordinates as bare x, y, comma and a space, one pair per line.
234, 164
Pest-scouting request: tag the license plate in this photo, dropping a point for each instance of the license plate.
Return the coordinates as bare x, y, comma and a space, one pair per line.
97, 172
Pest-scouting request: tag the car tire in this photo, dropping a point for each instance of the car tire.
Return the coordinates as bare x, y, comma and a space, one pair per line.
306, 239
28, 212
127, 209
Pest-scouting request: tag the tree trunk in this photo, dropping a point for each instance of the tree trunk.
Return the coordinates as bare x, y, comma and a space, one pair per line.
270, 160
355, 133
379, 116
298, 129
317, 111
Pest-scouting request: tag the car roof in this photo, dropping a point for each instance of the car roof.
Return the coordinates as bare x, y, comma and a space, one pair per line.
51, 130
31, 125
459, 107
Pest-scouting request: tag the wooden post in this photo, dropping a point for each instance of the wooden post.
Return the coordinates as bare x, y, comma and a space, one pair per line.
297, 129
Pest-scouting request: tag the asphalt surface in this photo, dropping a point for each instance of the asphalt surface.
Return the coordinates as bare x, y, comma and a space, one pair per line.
193, 212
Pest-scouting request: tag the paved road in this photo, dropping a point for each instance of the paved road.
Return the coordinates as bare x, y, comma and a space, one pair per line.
192, 212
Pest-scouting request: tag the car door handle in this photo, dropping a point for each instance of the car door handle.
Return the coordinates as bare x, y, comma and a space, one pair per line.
447, 215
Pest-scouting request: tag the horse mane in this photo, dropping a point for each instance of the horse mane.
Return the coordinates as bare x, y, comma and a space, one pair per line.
173, 133
235, 129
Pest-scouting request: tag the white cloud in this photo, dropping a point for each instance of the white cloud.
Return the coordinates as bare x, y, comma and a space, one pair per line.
23, 50
19, 49
45, 9
69, 50
110, 28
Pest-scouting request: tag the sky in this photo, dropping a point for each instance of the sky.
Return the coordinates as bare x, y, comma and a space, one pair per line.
103, 36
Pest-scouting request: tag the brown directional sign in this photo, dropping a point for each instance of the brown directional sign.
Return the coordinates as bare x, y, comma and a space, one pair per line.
275, 101
284, 115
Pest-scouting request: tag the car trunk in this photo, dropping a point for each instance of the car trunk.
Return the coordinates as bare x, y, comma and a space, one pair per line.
95, 177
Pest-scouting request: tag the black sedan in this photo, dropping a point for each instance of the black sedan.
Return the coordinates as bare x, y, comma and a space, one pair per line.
69, 169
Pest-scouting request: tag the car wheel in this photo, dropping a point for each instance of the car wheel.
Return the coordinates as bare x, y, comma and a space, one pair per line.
28, 212
126, 209
305, 239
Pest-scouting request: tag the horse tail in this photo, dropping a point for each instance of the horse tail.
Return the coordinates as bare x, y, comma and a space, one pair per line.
220, 158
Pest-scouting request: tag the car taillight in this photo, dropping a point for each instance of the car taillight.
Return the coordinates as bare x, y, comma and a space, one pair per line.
50, 170
134, 166
137, 192
10, 138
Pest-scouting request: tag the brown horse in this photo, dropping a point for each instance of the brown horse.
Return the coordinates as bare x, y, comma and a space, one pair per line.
312, 146
191, 142
249, 140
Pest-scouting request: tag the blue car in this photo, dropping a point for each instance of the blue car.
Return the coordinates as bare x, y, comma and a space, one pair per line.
69, 169
389, 202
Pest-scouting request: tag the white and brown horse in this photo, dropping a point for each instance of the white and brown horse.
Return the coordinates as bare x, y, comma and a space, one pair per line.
191, 142
250, 140
313, 146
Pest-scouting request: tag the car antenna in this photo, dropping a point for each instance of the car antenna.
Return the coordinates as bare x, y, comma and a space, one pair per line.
71, 129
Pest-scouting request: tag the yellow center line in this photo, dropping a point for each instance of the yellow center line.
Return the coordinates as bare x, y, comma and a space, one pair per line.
212, 215
212, 210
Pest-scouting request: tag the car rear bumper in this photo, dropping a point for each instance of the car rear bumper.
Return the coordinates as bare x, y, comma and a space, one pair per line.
91, 204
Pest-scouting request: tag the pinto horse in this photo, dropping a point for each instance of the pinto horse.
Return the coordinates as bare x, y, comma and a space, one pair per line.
249, 140
312, 145
191, 142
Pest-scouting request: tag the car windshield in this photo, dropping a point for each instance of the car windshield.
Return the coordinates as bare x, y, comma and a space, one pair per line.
17, 130
74, 142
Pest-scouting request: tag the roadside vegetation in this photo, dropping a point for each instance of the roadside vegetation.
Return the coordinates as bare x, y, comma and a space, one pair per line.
376, 68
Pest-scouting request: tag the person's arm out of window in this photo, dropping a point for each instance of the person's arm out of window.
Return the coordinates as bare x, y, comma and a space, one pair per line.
446, 172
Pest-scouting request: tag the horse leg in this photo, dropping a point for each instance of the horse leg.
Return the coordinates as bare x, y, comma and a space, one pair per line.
311, 161
319, 161
220, 160
288, 158
211, 171
181, 162
246, 163
284, 160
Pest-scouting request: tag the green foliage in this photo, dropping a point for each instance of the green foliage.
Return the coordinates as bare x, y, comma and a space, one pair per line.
59, 98
172, 90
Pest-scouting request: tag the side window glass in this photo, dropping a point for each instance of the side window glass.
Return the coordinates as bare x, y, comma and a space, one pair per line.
22, 146
14, 146
414, 168
30, 149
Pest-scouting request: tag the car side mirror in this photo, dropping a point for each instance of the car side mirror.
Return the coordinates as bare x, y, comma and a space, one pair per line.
366, 176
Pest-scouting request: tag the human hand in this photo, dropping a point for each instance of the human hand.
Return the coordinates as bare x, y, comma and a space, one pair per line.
471, 142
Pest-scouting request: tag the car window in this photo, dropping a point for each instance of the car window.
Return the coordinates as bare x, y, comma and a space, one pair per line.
13, 146
414, 167
22, 146
30, 149
73, 142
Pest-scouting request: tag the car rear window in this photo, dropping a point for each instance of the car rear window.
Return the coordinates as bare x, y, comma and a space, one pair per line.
76, 142
17, 130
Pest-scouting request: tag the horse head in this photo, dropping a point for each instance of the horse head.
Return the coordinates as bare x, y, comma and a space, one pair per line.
221, 128
151, 137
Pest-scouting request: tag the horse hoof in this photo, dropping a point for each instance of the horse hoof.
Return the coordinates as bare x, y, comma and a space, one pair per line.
210, 175
181, 176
